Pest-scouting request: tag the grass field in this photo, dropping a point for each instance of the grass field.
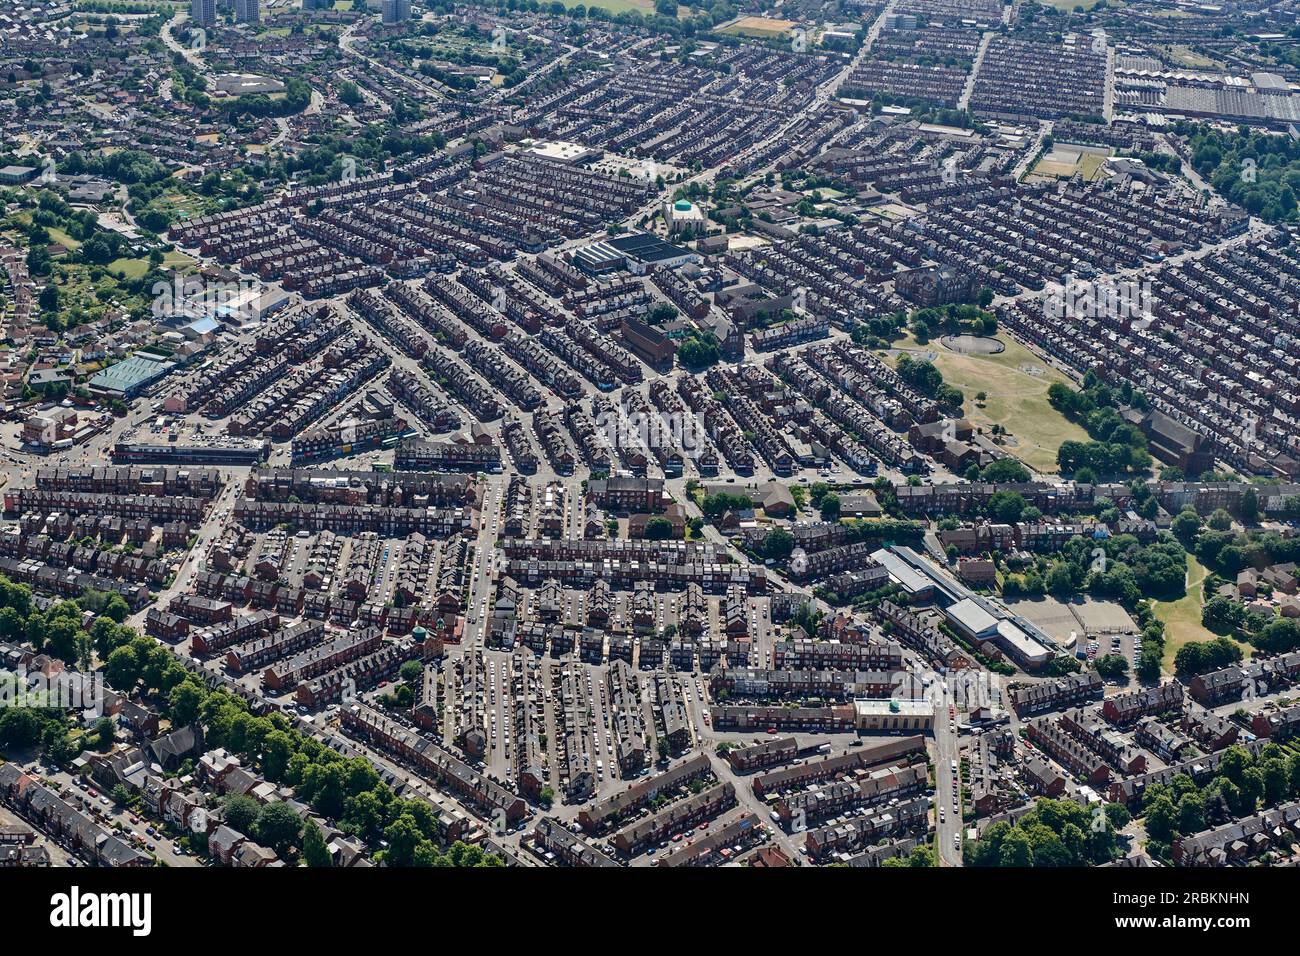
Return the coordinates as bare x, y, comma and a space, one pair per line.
135, 268
131, 268
1191, 59
615, 6
63, 239
1066, 161
762, 27
24, 218
1182, 618
1016, 398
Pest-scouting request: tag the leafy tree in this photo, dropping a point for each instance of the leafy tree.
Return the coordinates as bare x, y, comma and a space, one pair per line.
411, 671
1060, 579
1162, 819
1250, 507
1279, 636
1220, 520
104, 731
1186, 525
20, 727
778, 544
1199, 657
122, 669
240, 812
663, 312
277, 748
1112, 666
116, 608
921, 374
403, 836
1005, 507
658, 529
277, 826
57, 745
315, 853
1017, 850
1148, 667
348, 93
1004, 470
698, 351
1053, 833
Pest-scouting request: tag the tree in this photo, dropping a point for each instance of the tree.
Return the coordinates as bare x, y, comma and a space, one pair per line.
104, 731
1199, 657
11, 623
116, 608
277, 826
950, 395
19, 727
1117, 815
830, 506
1112, 666
411, 671
348, 93
921, 374
49, 298
1004, 470
1276, 782
1191, 813
697, 351
240, 813
1162, 819
1060, 579
658, 529
184, 702
1016, 850
778, 544
1279, 636
122, 669
403, 836
277, 748
1148, 667
1250, 507
1186, 525
57, 745
663, 312
62, 638
314, 851
1062, 665
1006, 507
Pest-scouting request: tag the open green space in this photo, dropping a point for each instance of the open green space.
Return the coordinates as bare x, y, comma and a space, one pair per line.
1015, 384
1182, 618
